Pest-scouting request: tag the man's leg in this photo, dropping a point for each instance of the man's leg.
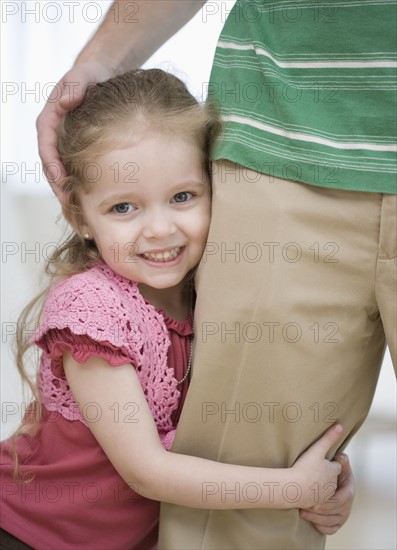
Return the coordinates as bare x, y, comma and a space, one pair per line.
288, 341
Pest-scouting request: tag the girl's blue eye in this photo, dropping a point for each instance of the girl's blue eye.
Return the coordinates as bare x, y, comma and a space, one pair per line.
122, 208
182, 197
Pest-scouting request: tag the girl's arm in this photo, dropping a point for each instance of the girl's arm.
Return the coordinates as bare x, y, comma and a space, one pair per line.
132, 445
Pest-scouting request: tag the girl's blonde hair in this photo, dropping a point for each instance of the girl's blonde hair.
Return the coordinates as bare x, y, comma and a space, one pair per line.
114, 114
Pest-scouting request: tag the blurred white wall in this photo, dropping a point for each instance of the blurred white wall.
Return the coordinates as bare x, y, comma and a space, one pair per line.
39, 41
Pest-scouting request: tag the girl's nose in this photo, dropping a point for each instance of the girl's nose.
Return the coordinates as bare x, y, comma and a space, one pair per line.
158, 224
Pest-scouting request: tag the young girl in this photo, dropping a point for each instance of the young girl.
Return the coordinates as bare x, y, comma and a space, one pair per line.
86, 471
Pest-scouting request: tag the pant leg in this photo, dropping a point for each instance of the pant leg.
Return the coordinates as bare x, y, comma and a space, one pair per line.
289, 340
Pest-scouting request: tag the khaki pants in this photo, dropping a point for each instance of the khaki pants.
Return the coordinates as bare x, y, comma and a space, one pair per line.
296, 297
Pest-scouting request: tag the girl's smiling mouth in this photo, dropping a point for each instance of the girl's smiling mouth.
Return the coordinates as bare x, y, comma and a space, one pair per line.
163, 256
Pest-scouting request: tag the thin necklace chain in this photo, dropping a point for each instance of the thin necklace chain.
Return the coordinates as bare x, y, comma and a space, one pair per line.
189, 365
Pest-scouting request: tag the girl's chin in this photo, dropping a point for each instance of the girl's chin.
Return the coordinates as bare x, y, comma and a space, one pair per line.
162, 283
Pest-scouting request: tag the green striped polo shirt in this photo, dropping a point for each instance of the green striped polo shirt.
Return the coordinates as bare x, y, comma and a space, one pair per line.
307, 91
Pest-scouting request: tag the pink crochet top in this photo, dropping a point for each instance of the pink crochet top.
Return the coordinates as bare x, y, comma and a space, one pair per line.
107, 311
77, 499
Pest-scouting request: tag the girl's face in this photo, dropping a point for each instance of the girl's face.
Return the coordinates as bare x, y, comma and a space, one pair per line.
149, 209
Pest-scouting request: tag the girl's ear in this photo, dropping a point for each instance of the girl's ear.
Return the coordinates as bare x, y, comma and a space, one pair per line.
73, 212
84, 232
74, 217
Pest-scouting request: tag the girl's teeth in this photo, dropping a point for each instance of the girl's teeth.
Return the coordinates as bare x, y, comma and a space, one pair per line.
162, 256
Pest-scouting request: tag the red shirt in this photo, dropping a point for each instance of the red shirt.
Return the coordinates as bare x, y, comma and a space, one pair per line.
77, 499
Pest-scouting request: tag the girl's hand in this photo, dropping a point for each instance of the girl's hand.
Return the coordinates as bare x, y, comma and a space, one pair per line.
316, 475
67, 94
328, 517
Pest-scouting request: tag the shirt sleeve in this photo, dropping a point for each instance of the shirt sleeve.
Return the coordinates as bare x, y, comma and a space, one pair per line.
56, 342
85, 315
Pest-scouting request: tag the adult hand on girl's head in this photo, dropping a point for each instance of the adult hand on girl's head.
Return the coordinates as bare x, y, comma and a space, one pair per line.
67, 94
329, 517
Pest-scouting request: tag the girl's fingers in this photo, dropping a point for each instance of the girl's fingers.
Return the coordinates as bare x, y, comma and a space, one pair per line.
346, 472
328, 440
325, 524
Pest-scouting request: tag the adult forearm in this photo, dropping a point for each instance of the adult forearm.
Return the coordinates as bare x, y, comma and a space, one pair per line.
132, 31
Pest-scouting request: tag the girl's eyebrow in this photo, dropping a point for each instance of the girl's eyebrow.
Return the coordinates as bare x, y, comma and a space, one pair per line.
194, 181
